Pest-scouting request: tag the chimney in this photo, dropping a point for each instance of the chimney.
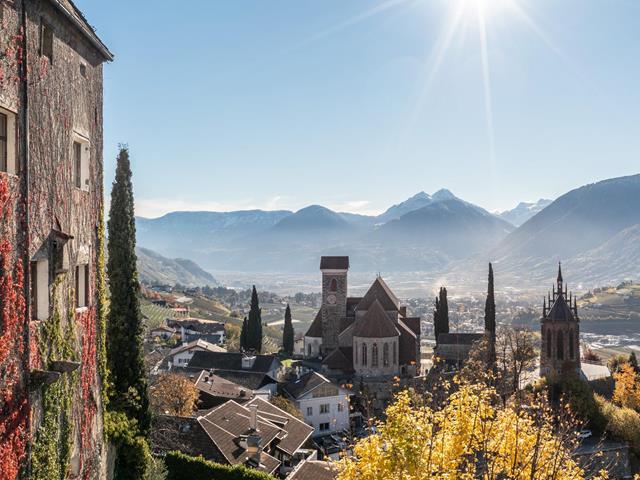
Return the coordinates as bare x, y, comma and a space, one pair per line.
253, 417
248, 361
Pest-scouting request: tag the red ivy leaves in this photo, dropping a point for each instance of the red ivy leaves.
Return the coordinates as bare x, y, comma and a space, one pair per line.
14, 406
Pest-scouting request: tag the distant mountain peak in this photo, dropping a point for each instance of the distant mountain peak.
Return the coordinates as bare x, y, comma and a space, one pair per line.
421, 196
443, 194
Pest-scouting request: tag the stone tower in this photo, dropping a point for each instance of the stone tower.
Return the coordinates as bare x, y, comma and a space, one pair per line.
334, 299
560, 333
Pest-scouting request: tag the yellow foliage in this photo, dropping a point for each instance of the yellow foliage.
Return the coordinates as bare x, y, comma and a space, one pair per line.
173, 394
470, 437
627, 390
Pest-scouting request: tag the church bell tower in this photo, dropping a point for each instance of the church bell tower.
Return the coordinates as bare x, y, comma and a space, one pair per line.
334, 299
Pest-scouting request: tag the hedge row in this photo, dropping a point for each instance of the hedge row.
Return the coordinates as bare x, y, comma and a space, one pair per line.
184, 467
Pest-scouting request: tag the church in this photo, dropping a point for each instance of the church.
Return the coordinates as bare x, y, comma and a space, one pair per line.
369, 336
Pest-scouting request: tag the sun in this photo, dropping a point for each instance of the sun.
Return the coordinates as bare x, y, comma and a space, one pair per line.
483, 8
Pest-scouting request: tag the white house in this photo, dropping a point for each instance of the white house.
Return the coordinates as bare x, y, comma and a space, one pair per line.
180, 356
324, 405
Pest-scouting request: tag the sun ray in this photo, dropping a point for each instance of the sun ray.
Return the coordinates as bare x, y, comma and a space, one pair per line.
486, 78
438, 54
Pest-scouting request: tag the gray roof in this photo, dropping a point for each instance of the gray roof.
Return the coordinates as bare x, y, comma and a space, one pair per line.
560, 310
459, 338
375, 323
314, 470
231, 361
380, 291
334, 263
303, 385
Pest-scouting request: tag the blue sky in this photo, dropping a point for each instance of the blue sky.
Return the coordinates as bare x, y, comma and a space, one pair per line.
357, 104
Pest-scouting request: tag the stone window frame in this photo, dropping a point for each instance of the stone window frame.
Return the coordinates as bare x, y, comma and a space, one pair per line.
385, 354
8, 142
374, 355
47, 40
560, 345
364, 354
80, 145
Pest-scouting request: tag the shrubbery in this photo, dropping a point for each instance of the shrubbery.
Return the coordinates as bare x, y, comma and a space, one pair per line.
184, 467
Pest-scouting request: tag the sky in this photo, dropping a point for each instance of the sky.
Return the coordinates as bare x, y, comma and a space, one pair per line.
357, 105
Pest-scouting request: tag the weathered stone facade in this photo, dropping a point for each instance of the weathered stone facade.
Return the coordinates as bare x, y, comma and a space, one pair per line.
560, 334
55, 99
334, 304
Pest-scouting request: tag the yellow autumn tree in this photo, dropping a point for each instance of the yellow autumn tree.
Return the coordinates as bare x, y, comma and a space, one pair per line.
627, 390
472, 436
173, 394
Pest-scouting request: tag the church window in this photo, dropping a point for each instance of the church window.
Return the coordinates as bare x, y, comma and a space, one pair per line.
374, 355
364, 354
385, 355
549, 344
560, 354
333, 286
355, 349
571, 348
395, 358
309, 350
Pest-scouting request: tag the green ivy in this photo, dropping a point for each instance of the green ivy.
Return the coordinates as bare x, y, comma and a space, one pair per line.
51, 452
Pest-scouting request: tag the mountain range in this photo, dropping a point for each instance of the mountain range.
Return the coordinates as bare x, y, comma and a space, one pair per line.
156, 269
591, 226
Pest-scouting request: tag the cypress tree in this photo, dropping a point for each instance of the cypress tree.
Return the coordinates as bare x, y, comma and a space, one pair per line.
436, 319
128, 385
444, 311
633, 361
287, 332
490, 317
254, 324
243, 335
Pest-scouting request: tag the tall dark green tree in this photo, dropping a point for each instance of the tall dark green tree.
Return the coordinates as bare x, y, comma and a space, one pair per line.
441, 313
243, 335
128, 387
287, 332
254, 324
490, 317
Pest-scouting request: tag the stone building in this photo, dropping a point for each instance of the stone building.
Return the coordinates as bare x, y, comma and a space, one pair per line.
369, 336
51, 202
560, 333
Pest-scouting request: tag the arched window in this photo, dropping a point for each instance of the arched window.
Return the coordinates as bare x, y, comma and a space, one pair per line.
560, 354
333, 286
549, 344
309, 350
385, 355
355, 349
395, 358
364, 354
374, 355
571, 349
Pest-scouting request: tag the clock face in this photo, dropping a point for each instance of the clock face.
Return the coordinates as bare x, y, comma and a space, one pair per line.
331, 299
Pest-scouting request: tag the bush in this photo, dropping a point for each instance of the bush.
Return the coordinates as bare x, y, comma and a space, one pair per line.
622, 423
184, 467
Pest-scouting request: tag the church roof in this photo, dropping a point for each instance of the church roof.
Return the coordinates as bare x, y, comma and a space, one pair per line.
560, 310
315, 329
381, 292
340, 359
375, 323
334, 263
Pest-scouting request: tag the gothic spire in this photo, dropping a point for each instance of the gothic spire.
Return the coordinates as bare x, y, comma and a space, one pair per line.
559, 278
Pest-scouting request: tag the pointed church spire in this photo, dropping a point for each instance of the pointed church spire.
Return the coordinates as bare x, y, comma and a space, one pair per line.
559, 278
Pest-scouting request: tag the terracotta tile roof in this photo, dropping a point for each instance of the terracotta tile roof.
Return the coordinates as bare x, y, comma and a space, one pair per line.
334, 263
375, 323
303, 385
380, 291
216, 386
296, 432
314, 470
315, 329
227, 423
